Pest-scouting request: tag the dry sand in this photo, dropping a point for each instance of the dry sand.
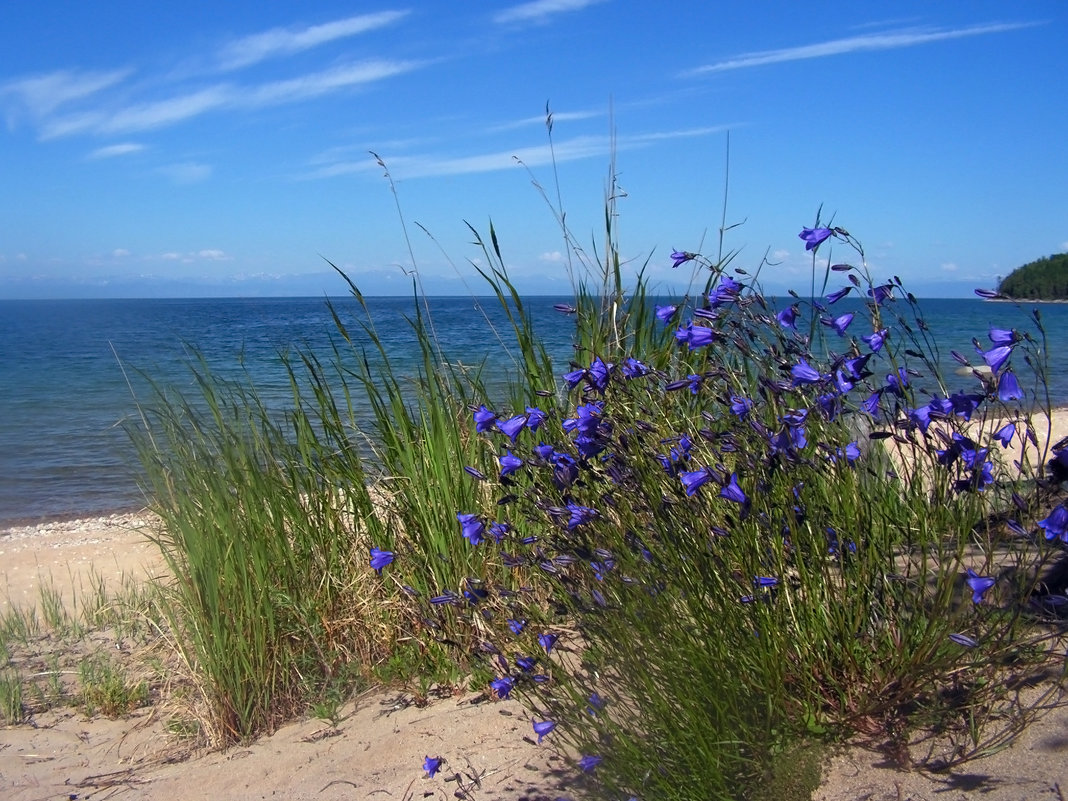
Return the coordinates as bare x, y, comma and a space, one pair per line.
376, 750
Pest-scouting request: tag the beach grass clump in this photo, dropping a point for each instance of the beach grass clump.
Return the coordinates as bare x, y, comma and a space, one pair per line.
781, 525
271, 517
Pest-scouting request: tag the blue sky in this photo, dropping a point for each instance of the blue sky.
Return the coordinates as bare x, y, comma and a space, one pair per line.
224, 149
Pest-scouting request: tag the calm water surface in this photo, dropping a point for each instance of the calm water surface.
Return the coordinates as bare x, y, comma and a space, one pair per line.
69, 371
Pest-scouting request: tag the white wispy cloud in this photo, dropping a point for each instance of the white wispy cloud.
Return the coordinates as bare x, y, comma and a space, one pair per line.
889, 40
257, 47
187, 172
222, 96
42, 94
112, 151
320, 83
558, 116
579, 147
207, 254
540, 10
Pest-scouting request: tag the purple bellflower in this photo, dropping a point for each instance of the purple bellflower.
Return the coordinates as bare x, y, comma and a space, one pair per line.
804, 373
471, 527
431, 765
876, 339
484, 419
733, 492
979, 585
838, 294
839, 324
1005, 434
814, 237
1009, 387
693, 480
380, 558
681, 257
547, 641
665, 313
589, 762
509, 463
995, 358
502, 687
881, 293
543, 727
1056, 524
788, 317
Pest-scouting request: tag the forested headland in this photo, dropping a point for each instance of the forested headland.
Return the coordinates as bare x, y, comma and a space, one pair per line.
1044, 279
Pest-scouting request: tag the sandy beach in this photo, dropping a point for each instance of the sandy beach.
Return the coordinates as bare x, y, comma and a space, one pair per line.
376, 748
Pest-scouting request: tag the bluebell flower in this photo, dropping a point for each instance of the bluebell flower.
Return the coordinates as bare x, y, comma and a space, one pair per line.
499, 531
431, 765
526, 663
839, 324
516, 625
1056, 524
509, 463
995, 358
681, 257
598, 373
665, 313
632, 368
695, 383
512, 426
962, 404
447, 597
596, 703
788, 317
989, 294
574, 377
589, 762
857, 366
380, 558
587, 417
1001, 336
871, 404
542, 728
850, 453
535, 418
964, 639
471, 527
876, 339
979, 585
765, 582
580, 515
471, 471
693, 480
484, 419
1009, 387
804, 373
502, 687
733, 492
896, 382
547, 641
842, 381
740, 406
838, 294
881, 293
725, 292
814, 237
700, 336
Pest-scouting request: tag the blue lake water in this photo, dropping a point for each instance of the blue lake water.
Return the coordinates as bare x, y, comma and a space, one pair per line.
65, 397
